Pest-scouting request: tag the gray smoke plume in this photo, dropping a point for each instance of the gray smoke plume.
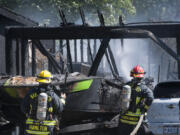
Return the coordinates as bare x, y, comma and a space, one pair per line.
143, 52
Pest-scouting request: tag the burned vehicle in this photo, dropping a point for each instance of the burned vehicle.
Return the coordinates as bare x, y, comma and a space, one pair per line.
79, 107
93, 102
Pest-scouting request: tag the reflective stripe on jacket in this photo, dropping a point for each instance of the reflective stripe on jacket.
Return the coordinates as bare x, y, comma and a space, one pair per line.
37, 132
29, 107
45, 122
39, 127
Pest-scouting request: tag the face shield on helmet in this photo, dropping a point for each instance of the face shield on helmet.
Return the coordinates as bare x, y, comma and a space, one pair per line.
137, 72
44, 77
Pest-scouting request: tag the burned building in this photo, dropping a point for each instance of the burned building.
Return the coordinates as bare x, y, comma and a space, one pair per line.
10, 18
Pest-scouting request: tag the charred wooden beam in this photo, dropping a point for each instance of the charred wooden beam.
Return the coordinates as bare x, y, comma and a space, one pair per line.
94, 48
24, 50
69, 56
121, 24
50, 67
61, 46
101, 18
108, 32
61, 56
108, 53
33, 60
43, 50
17, 57
63, 18
89, 52
81, 50
78, 32
96, 62
121, 21
83, 17
109, 62
161, 44
65, 23
159, 73
52, 51
178, 53
113, 60
102, 23
149, 34
9, 55
168, 69
75, 50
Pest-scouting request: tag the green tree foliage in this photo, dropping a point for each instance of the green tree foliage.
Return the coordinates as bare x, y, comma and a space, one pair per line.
47, 10
158, 10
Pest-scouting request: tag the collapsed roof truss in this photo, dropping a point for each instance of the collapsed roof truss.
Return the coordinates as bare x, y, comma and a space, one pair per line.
154, 31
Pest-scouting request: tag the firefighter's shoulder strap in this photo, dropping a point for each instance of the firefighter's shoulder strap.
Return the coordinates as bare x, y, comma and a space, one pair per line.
136, 105
51, 109
142, 87
50, 103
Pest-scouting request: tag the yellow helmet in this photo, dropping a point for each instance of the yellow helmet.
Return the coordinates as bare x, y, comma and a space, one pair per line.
44, 77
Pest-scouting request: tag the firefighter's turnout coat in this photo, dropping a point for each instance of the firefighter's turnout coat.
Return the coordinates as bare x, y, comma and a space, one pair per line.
29, 108
141, 99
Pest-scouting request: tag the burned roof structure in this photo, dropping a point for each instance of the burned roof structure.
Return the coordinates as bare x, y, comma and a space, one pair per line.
11, 18
154, 31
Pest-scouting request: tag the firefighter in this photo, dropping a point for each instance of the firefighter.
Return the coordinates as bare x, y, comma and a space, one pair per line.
141, 99
42, 107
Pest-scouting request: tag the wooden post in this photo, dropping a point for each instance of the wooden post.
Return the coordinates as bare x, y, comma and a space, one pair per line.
168, 70
49, 63
24, 54
17, 57
89, 53
54, 53
33, 60
61, 47
178, 53
75, 51
149, 59
81, 48
61, 54
9, 55
95, 48
69, 56
159, 73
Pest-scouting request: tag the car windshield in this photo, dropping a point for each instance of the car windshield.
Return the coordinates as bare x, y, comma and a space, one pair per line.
167, 90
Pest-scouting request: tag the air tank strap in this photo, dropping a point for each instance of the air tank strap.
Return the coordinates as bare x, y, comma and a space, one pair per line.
50, 106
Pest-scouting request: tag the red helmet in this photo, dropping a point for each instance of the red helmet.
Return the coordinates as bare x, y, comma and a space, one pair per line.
137, 72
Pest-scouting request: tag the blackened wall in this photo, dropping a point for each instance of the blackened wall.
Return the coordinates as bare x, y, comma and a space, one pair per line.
2, 51
9, 19
4, 22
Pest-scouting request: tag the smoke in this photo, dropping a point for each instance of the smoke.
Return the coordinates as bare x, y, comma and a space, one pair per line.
145, 53
47, 16
141, 52
134, 52
157, 63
